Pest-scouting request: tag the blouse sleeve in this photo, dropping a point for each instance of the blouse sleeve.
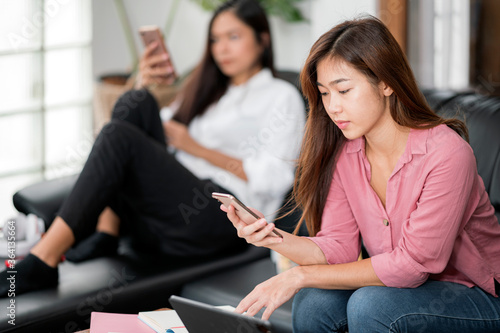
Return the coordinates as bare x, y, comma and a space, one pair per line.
428, 236
270, 161
339, 237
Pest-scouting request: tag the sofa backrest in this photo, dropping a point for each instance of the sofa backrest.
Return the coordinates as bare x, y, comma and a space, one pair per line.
482, 116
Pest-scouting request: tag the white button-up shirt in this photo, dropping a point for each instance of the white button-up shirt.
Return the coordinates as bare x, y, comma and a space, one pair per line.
260, 122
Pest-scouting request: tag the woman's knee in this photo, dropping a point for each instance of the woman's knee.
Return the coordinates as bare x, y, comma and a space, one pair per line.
131, 103
319, 310
116, 131
367, 308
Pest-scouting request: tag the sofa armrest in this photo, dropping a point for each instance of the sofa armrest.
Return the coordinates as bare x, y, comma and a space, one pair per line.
44, 198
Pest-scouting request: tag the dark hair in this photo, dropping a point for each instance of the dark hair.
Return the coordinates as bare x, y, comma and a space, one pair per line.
368, 46
207, 83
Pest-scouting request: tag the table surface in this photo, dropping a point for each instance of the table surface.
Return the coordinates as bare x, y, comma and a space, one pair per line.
88, 331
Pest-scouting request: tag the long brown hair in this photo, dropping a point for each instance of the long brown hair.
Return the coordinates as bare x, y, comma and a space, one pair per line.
368, 46
207, 83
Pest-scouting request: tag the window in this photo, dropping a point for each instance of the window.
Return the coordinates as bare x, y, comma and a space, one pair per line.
451, 44
438, 42
46, 85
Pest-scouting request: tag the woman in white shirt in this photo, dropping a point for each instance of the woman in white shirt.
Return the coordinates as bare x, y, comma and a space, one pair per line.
237, 129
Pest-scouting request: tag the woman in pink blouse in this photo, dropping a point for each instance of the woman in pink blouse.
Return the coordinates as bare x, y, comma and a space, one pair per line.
378, 165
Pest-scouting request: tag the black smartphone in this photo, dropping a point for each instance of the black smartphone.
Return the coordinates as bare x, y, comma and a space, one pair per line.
243, 212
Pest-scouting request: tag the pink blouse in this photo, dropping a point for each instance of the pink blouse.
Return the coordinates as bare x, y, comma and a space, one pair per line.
438, 222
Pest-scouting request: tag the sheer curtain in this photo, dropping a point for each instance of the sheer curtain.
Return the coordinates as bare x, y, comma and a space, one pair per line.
439, 42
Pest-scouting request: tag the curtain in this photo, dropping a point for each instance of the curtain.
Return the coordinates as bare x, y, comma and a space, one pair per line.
438, 43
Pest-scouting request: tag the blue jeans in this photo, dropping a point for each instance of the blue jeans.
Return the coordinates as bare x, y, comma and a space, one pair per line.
435, 306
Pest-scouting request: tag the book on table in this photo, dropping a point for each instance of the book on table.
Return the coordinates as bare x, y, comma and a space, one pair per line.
164, 321
102, 322
168, 321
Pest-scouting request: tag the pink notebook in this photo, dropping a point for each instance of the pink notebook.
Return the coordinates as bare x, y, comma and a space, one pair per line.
101, 322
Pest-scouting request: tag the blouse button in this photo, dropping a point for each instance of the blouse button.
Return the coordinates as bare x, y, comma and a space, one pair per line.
386, 222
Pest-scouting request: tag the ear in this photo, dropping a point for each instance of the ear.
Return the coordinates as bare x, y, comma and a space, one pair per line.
265, 39
386, 90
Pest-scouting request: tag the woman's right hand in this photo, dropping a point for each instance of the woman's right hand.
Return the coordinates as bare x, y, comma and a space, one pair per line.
154, 68
258, 233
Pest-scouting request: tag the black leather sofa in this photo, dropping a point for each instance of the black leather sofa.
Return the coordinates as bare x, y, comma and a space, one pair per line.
131, 282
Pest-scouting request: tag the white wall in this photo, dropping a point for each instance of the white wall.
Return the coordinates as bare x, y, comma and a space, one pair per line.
110, 50
326, 14
186, 41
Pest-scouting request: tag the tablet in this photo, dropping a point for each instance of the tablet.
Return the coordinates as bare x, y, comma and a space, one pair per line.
203, 318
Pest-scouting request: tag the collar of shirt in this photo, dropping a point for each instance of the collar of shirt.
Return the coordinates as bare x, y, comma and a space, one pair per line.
416, 145
263, 76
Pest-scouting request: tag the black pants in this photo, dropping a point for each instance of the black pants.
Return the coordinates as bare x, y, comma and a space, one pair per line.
163, 206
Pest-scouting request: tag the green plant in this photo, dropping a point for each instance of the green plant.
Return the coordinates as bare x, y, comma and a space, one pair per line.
286, 9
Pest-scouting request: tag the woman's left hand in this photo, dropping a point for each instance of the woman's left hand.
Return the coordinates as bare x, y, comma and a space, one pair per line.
178, 137
272, 293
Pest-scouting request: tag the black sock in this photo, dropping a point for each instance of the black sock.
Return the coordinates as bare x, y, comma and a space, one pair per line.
97, 245
31, 273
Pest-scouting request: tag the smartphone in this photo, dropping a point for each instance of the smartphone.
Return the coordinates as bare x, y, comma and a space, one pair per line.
152, 33
243, 212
